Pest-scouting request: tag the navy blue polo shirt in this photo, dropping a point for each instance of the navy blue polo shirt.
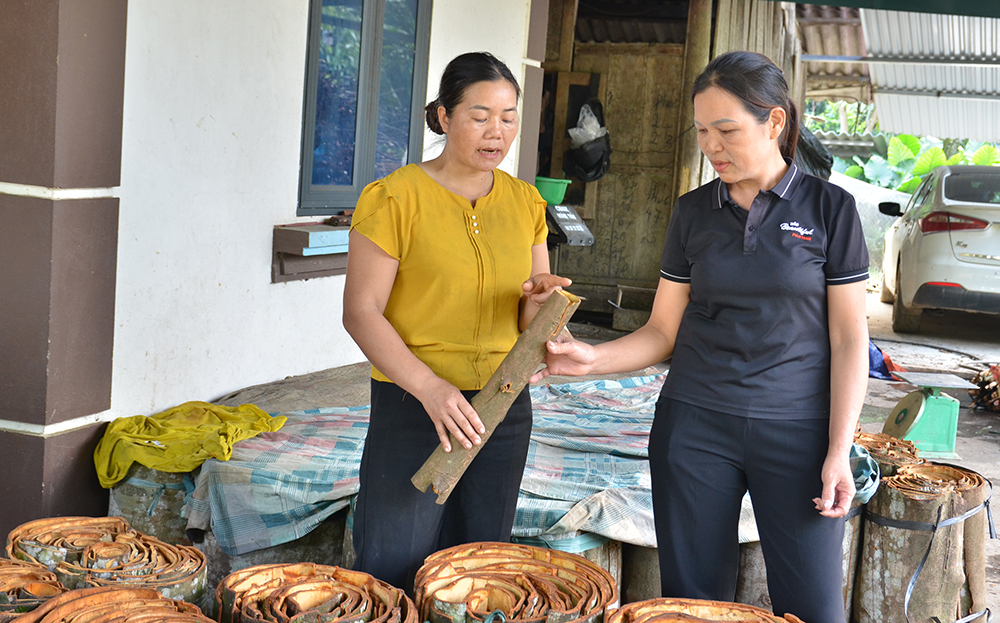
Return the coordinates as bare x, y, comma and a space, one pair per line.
754, 340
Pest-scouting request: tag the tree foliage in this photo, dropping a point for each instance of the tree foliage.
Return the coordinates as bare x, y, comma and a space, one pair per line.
906, 160
339, 80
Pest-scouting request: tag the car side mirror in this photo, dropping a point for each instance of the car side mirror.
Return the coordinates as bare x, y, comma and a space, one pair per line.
890, 208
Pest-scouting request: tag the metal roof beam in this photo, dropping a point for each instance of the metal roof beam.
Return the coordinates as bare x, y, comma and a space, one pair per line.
837, 78
825, 21
902, 60
937, 94
989, 8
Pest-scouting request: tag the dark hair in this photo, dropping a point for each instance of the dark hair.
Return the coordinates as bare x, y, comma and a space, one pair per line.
757, 82
461, 73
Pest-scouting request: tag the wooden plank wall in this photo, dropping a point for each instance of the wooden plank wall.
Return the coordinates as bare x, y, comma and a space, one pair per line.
760, 26
642, 86
765, 27
640, 90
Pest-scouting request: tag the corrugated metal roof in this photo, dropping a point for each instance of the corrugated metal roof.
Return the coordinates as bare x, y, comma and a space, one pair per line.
604, 30
833, 31
928, 74
848, 145
942, 77
631, 21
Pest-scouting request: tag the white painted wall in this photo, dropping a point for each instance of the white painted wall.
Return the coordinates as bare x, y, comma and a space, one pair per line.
210, 160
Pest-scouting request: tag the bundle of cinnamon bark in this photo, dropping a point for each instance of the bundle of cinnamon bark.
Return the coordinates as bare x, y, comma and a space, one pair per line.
924, 547
889, 452
105, 551
24, 586
694, 611
987, 396
466, 583
309, 592
112, 603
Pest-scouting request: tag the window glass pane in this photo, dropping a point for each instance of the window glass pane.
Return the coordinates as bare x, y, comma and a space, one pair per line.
973, 187
396, 86
337, 92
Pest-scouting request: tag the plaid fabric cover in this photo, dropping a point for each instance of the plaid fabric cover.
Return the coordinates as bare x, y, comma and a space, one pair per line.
278, 486
586, 471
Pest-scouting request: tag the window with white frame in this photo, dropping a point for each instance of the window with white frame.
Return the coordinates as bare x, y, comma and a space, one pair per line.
365, 93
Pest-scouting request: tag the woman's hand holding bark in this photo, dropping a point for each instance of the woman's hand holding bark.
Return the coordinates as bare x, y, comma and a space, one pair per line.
451, 413
566, 356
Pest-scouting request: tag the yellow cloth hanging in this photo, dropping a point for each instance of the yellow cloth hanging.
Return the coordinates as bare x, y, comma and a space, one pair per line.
177, 440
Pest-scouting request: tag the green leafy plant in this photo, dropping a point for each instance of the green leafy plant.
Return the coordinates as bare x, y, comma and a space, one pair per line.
905, 159
829, 116
909, 159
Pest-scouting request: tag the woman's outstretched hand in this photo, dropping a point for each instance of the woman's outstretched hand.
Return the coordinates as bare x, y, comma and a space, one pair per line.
451, 413
536, 291
538, 288
566, 356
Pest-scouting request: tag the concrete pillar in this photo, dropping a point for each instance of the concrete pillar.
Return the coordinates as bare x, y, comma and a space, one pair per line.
62, 67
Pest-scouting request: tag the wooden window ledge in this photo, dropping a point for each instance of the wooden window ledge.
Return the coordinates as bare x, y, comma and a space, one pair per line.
308, 251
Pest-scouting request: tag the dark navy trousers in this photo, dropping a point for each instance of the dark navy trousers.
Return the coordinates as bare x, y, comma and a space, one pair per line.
395, 525
701, 463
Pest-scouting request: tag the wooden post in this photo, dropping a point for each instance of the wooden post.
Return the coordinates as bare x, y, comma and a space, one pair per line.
560, 138
697, 49
443, 470
561, 35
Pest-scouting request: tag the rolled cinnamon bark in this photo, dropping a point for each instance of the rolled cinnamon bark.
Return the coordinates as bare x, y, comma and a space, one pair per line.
105, 551
121, 605
464, 584
694, 610
25, 586
56, 539
890, 453
309, 592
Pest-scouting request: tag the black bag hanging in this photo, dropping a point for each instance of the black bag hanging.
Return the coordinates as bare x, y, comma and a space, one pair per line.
811, 155
589, 161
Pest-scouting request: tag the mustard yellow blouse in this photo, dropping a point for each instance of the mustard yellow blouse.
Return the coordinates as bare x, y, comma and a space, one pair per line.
455, 298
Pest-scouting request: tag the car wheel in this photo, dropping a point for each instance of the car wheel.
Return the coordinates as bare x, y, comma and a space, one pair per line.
904, 319
886, 295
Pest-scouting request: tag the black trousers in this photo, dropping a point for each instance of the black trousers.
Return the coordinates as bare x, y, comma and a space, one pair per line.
701, 463
395, 525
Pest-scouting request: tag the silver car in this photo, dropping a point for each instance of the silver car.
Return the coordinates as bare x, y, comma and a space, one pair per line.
944, 250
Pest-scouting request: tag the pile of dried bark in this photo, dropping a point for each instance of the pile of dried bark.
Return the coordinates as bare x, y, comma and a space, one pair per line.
466, 583
106, 551
309, 592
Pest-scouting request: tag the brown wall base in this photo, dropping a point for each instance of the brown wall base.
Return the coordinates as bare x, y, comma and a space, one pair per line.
49, 477
57, 302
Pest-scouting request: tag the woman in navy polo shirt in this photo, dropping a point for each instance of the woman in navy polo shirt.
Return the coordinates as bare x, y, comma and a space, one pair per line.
761, 304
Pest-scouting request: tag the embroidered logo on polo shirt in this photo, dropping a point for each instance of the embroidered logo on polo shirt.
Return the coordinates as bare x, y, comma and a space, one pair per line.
797, 230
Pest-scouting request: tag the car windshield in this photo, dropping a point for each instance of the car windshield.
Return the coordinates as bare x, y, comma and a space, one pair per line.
973, 187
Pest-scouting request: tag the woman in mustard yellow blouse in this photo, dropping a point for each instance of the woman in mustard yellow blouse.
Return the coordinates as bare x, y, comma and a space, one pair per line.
447, 264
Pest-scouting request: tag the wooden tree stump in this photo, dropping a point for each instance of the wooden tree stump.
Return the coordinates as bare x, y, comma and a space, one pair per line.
922, 494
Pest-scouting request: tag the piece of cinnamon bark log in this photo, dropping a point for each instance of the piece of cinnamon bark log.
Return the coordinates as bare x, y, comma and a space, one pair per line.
443, 470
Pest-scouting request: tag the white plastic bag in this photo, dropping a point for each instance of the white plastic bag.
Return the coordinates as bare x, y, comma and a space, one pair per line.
587, 128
